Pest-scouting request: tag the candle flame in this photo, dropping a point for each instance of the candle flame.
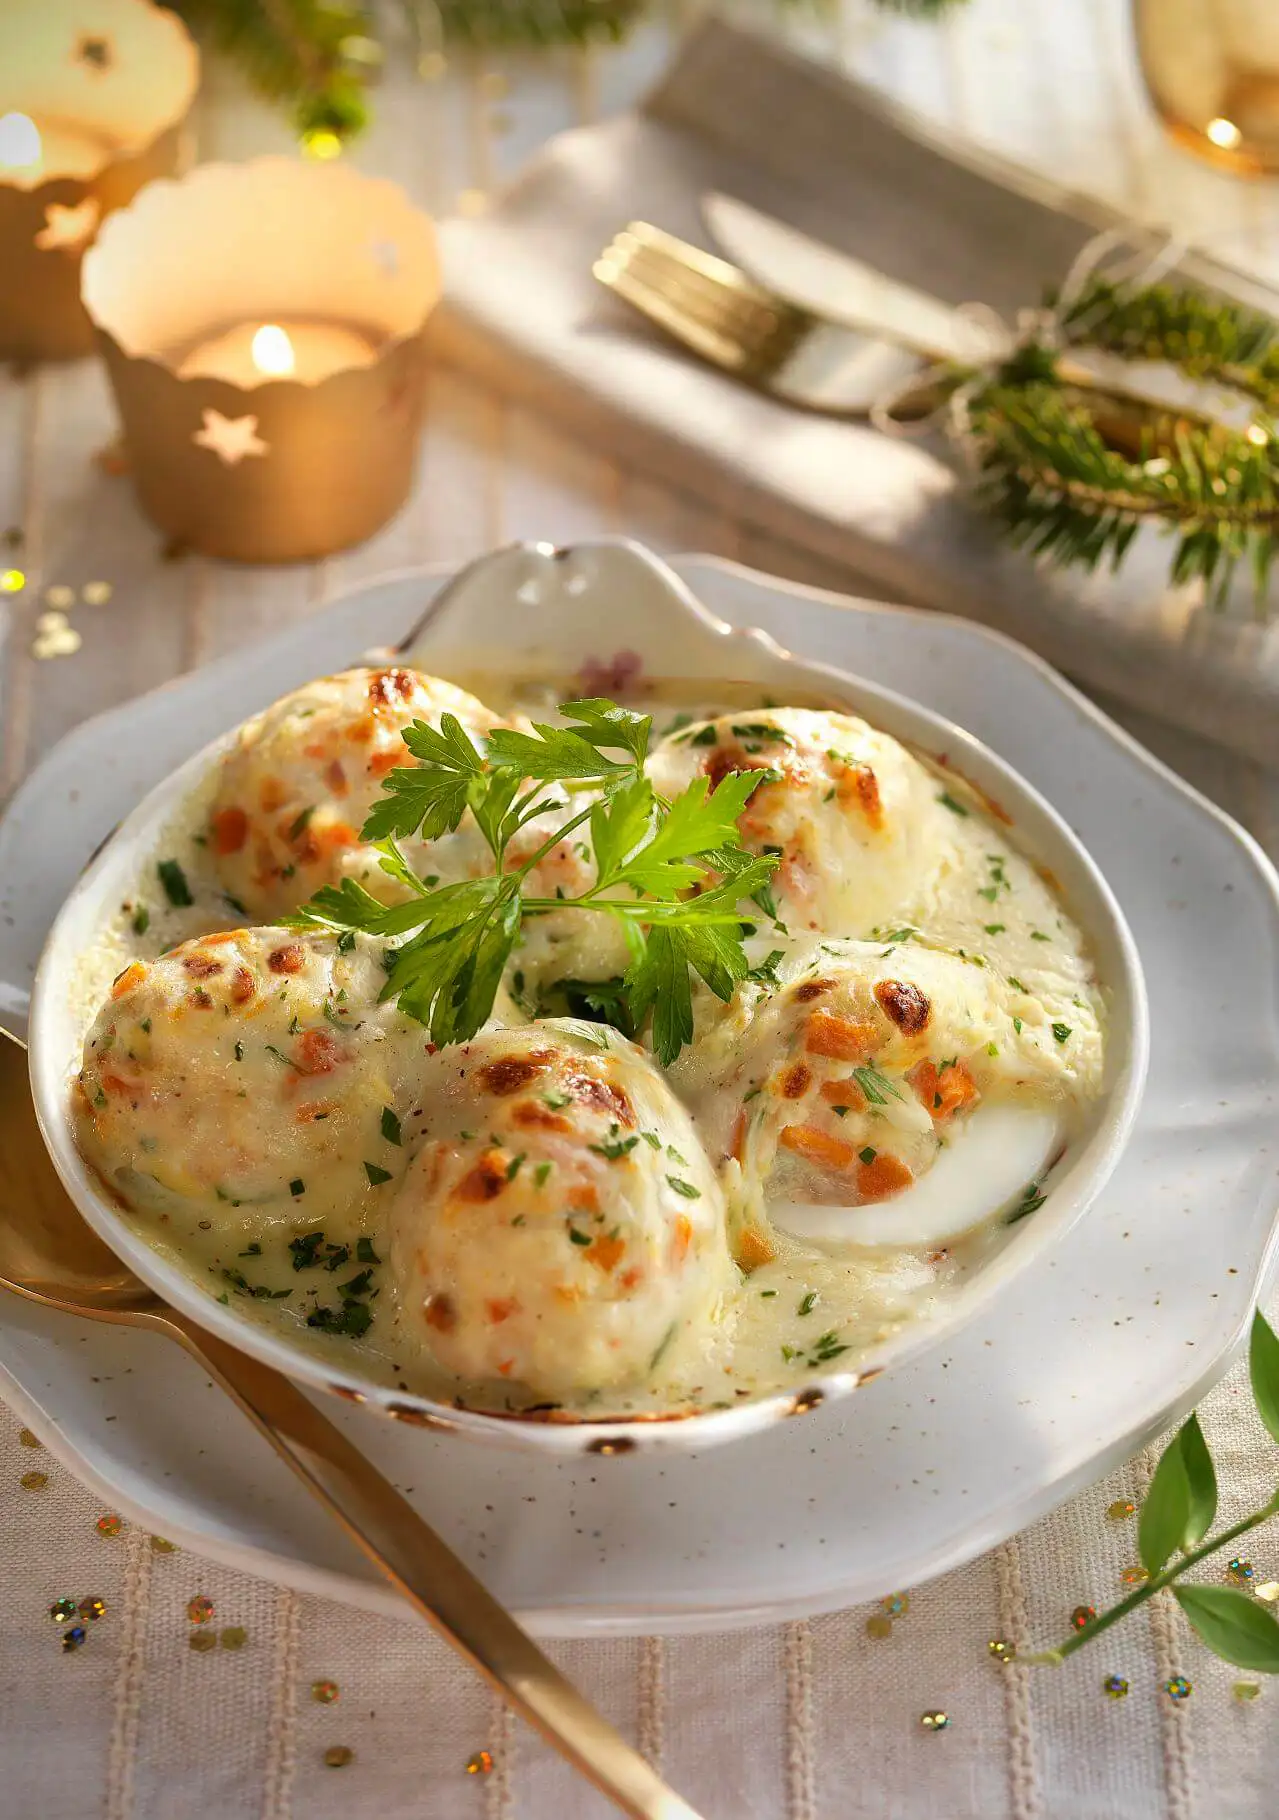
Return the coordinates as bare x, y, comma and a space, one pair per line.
19, 142
272, 351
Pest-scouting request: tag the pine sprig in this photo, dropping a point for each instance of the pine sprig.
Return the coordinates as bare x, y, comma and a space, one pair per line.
1073, 473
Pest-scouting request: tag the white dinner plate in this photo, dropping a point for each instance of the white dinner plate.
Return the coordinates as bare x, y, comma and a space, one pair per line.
1091, 1351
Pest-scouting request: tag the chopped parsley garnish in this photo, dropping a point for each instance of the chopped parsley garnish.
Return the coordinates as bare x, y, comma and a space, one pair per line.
1017, 1025
869, 1154
540, 1174
305, 1250
766, 1294
252, 1251
1030, 1200
876, 1087
1037, 935
140, 921
1061, 1032
299, 823
239, 1052
174, 880
376, 1176
685, 1188
556, 1100
947, 801
513, 1167
614, 1148
358, 1285
390, 1126
766, 971
651, 1138
145, 1026
297, 1186
704, 736
346, 941
989, 892
365, 1253
809, 1302
579, 1238
353, 1319
278, 1054
995, 928
1015, 983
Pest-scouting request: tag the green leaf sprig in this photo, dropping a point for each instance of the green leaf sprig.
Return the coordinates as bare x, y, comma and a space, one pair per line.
671, 873
1173, 1536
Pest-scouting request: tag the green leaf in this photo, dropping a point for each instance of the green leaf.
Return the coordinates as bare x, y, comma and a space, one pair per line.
609, 726
432, 796
350, 906
619, 823
1233, 1625
658, 981
1263, 1367
1201, 1483
698, 823
554, 752
1165, 1512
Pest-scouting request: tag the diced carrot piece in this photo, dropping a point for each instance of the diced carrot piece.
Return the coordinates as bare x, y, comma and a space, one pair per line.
943, 1090
843, 1093
133, 975
753, 1249
584, 1198
111, 1083
382, 762
316, 1052
335, 777
441, 1313
230, 829
808, 1141
338, 834
500, 1309
272, 794
737, 1143
683, 1238
606, 1253
631, 1278
840, 1037
885, 1174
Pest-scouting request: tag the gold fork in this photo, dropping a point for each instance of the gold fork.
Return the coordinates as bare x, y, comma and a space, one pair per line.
721, 314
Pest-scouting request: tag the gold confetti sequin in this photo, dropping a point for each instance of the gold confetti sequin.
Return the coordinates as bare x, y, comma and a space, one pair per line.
1120, 1509
1134, 1576
234, 1637
1115, 1687
60, 596
110, 1525
202, 1641
92, 1608
74, 1638
1240, 1571
1178, 1688
55, 637
1082, 1616
897, 1604
322, 144
200, 1609
63, 1610
480, 1763
12, 581
337, 1756
34, 1481
878, 1625
96, 593
1269, 1591
1000, 1650
1246, 1690
325, 1692
160, 1547
934, 1720
27, 1439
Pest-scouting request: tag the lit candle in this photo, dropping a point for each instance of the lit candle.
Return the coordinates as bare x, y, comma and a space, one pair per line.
91, 97
32, 153
306, 350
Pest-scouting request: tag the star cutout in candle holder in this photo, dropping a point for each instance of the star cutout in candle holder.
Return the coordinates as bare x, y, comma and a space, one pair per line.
68, 228
230, 438
96, 52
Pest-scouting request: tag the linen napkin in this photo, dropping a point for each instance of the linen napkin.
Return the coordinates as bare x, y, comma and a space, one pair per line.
744, 116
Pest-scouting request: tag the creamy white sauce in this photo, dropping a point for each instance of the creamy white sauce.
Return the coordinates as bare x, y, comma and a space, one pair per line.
841, 1279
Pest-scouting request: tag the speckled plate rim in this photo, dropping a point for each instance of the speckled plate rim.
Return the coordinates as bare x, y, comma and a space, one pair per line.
565, 595
952, 1532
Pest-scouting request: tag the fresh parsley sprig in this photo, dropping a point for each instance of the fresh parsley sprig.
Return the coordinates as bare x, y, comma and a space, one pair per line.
671, 873
1172, 1536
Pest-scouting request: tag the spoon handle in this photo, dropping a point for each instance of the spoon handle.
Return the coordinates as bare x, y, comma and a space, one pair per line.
420, 1565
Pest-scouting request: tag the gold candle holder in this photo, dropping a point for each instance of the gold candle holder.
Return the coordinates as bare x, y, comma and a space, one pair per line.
262, 325
1211, 68
92, 94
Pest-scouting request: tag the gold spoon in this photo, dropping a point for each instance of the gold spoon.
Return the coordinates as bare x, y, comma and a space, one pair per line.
50, 1255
